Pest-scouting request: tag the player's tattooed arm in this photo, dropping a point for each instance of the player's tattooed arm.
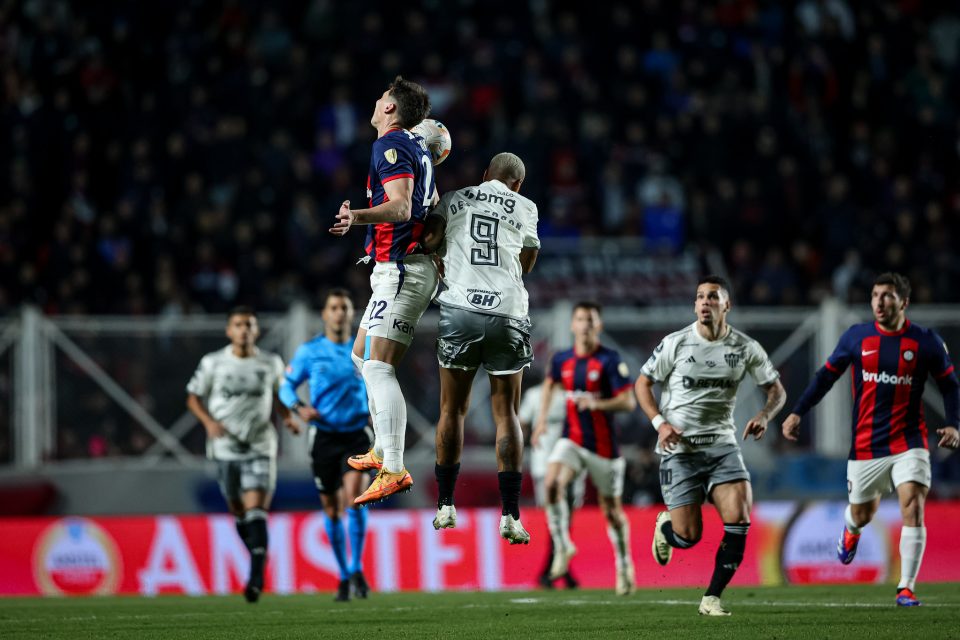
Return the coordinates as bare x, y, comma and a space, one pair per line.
776, 398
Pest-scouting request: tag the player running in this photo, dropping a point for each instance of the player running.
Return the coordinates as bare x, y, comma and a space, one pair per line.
891, 359
699, 369
595, 382
528, 415
239, 384
490, 240
400, 189
338, 419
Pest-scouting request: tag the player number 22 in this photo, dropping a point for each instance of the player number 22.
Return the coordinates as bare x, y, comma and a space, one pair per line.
483, 230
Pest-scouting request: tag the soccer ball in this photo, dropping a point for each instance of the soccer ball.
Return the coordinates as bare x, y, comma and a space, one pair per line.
436, 138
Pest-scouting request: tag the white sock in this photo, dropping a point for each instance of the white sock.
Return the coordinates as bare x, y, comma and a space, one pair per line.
912, 542
390, 419
620, 539
851, 526
377, 447
558, 520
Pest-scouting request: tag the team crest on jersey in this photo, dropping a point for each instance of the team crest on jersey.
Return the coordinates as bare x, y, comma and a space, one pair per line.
623, 369
593, 375
908, 355
390, 155
733, 359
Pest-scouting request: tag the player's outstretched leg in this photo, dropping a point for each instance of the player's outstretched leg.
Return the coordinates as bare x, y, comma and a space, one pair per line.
256, 520
357, 530
390, 424
849, 537
728, 559
504, 391
446, 475
913, 540
338, 543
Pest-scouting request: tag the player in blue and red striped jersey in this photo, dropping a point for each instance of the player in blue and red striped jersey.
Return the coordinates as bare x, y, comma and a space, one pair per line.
400, 188
891, 359
596, 383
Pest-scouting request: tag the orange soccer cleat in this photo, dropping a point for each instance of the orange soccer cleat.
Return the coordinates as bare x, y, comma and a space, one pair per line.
384, 485
365, 461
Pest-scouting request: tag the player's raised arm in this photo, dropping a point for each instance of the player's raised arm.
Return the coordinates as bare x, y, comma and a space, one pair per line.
396, 209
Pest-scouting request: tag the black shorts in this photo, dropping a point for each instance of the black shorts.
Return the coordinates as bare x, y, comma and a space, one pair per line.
329, 452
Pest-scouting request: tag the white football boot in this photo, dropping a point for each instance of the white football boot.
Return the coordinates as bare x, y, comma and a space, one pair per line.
710, 606
662, 551
626, 579
512, 531
561, 560
446, 517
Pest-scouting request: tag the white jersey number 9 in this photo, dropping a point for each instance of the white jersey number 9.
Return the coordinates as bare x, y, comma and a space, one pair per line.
483, 230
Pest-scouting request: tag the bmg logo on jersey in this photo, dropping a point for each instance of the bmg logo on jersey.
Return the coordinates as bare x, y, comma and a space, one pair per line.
483, 299
886, 378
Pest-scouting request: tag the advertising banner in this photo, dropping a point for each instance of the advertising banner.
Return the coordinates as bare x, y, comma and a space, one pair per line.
202, 554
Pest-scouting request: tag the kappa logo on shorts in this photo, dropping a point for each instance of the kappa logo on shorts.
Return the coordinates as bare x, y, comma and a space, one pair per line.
403, 326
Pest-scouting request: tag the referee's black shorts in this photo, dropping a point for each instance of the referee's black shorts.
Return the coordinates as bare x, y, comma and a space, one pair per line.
329, 452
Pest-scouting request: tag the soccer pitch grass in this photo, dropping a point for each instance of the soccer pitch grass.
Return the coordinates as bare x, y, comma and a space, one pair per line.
773, 612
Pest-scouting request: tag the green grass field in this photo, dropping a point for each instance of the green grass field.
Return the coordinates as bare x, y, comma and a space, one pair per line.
782, 612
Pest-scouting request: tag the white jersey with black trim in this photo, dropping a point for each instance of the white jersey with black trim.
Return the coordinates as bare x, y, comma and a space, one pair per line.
239, 394
699, 380
487, 226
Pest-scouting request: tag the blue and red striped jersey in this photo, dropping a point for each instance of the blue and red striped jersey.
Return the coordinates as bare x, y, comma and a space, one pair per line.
890, 370
601, 374
398, 154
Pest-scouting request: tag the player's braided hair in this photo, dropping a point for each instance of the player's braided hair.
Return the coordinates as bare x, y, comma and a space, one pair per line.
900, 283
413, 103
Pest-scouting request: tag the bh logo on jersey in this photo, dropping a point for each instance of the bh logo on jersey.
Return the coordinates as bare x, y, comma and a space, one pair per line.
886, 378
483, 299
76, 556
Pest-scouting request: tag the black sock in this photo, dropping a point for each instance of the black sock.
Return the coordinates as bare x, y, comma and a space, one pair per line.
242, 531
257, 538
674, 539
446, 481
510, 492
729, 557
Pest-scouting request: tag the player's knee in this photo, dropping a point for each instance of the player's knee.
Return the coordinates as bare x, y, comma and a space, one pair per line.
912, 512
690, 533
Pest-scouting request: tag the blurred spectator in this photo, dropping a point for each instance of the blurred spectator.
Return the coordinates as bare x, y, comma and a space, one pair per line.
205, 146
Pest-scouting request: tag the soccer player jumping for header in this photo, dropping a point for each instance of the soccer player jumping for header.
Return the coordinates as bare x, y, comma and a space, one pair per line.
400, 188
891, 360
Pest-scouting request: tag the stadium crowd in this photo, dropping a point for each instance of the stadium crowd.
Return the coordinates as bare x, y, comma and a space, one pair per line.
188, 155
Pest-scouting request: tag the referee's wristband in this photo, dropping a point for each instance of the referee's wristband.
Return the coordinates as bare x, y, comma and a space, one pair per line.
657, 421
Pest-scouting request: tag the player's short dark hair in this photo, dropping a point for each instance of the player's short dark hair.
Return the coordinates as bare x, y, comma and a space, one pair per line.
715, 279
242, 310
589, 305
335, 292
900, 283
413, 103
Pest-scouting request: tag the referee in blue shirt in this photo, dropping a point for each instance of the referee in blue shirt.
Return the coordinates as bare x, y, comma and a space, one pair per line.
339, 428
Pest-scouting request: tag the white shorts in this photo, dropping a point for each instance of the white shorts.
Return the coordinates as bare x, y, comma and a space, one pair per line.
538, 471
870, 479
400, 295
606, 473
